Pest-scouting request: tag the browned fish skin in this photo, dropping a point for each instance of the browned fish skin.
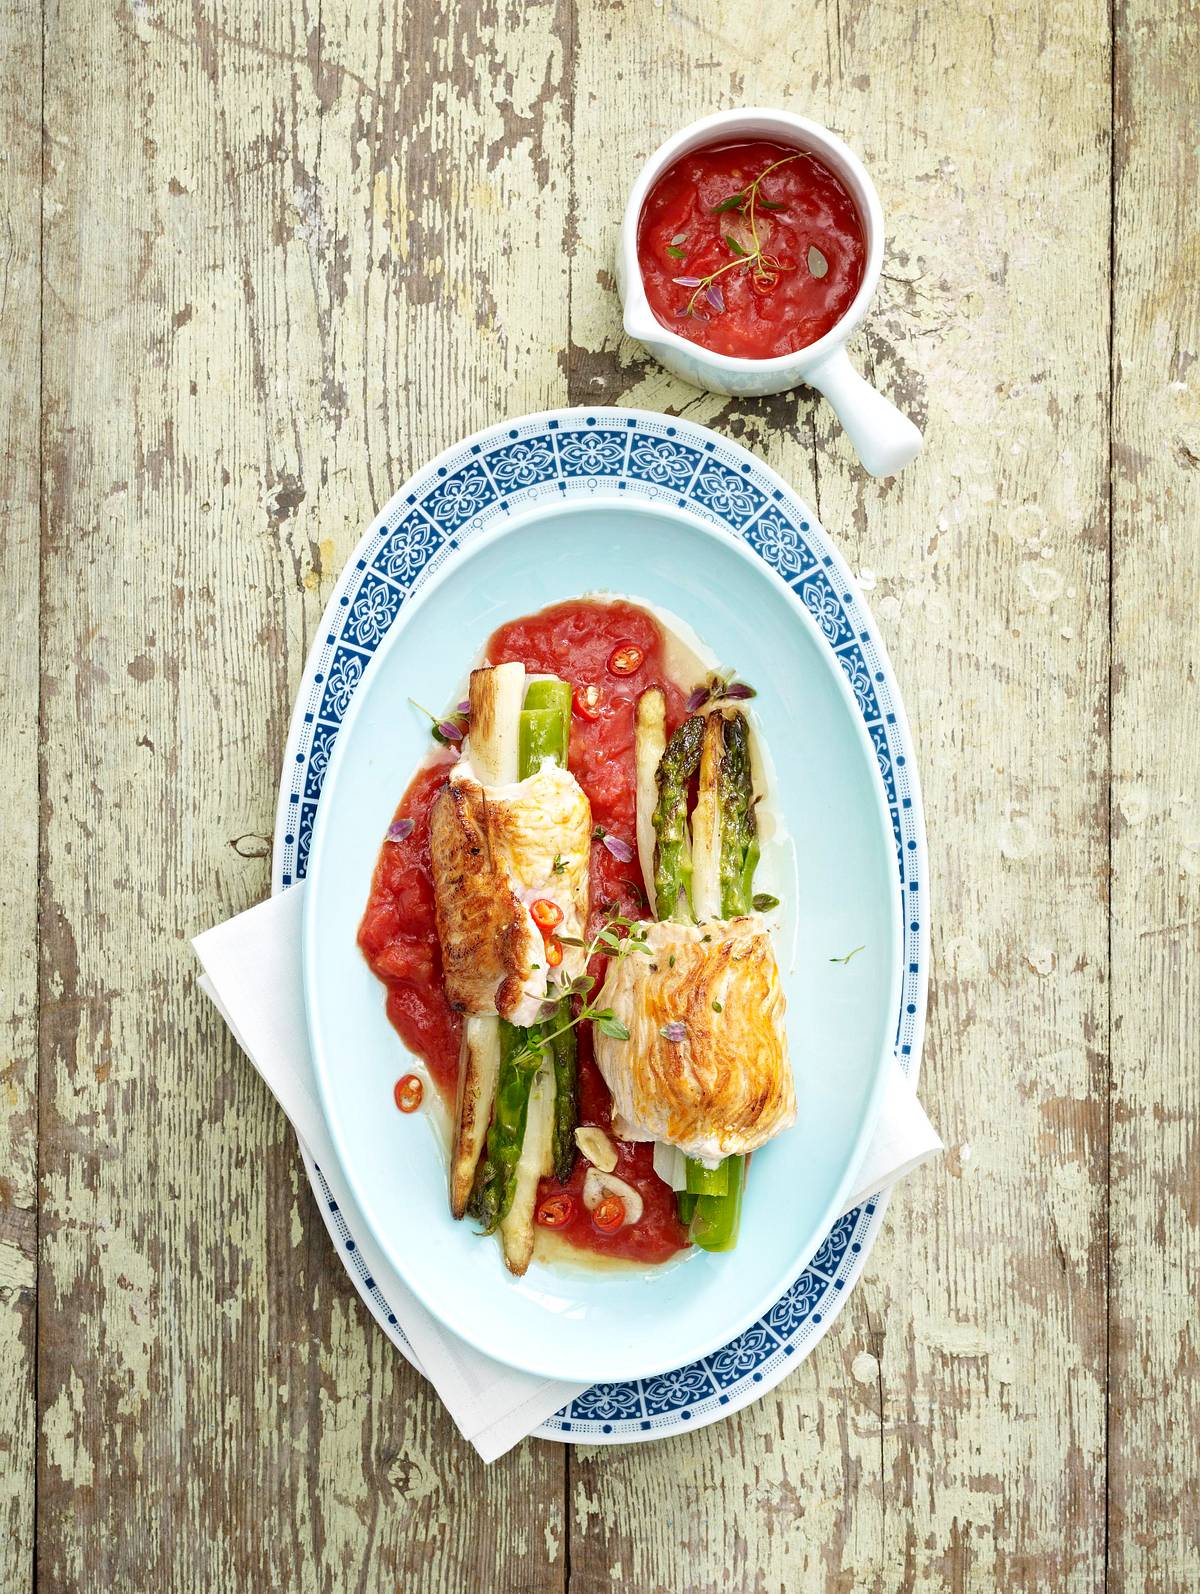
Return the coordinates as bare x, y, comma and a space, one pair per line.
494, 850
479, 920
724, 1086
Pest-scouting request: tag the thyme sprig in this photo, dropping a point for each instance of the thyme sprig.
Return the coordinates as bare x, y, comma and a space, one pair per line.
849, 955
611, 944
764, 268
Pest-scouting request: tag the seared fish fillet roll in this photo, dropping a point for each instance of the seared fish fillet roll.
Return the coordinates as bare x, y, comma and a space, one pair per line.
495, 852
706, 1065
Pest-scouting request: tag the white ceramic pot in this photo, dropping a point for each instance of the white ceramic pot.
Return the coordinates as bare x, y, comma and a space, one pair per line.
885, 439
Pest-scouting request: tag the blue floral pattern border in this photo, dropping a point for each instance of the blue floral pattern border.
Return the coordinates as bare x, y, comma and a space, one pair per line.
648, 457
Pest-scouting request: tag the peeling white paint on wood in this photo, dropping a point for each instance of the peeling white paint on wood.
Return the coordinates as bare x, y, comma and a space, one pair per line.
20, 163
289, 254
1154, 1374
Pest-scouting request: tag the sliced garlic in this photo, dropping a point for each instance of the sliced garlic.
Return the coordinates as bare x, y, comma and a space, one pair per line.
596, 1147
597, 1185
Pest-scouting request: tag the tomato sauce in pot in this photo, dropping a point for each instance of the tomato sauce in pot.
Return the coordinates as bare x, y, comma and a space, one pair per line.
591, 644
751, 250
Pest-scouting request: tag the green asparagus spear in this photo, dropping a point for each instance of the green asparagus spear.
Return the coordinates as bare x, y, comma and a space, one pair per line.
545, 726
566, 1095
717, 1214
702, 1181
677, 766
541, 737
716, 1219
548, 713
495, 1177
739, 830
548, 692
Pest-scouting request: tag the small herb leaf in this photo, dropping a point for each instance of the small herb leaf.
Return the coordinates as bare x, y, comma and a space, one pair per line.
817, 262
676, 253
716, 688
764, 902
732, 202
849, 955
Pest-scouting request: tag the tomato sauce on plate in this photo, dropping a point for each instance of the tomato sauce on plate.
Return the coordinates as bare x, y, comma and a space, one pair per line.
658, 1233
398, 935
751, 249
591, 644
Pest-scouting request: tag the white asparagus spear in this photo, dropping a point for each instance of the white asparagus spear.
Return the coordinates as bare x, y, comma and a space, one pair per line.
494, 748
651, 741
478, 1069
706, 827
494, 739
537, 1160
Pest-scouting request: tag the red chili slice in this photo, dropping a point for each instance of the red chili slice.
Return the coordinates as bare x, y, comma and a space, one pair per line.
554, 954
626, 659
587, 702
546, 915
556, 1211
409, 1092
609, 1214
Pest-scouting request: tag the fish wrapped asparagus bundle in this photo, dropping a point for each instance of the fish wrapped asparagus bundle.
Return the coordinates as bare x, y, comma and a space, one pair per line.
706, 1073
510, 841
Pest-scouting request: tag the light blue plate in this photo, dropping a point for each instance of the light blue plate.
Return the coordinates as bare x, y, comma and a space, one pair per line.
653, 458
575, 1323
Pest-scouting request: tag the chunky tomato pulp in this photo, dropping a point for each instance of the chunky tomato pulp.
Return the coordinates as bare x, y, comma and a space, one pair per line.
658, 1234
783, 274
398, 934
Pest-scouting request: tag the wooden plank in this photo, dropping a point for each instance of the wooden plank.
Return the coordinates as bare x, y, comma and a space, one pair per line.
270, 237
949, 1432
1154, 1431
20, 321
291, 251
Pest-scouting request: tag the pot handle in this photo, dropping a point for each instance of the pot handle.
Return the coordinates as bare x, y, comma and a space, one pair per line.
884, 439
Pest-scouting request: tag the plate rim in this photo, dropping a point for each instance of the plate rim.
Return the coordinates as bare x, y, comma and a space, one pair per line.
906, 793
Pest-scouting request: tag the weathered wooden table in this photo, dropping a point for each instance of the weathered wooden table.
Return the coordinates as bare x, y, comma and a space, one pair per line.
260, 262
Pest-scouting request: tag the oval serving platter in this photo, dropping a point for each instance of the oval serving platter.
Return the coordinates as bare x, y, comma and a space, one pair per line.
575, 1322
616, 462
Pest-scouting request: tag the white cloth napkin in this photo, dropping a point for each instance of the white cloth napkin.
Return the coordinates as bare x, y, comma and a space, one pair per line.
252, 973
